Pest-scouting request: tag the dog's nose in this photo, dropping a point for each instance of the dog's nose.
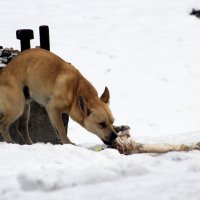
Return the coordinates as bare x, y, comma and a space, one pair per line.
113, 136
108, 141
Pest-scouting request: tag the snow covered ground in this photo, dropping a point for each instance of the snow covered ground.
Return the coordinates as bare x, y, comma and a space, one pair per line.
148, 54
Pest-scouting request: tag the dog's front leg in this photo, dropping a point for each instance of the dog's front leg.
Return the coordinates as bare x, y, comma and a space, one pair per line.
55, 117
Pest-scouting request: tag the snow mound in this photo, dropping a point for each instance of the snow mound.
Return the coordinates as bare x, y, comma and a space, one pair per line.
106, 168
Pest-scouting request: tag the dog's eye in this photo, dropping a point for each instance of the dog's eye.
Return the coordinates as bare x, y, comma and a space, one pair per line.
102, 124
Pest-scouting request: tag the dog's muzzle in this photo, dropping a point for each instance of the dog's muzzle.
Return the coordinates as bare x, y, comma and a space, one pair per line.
113, 137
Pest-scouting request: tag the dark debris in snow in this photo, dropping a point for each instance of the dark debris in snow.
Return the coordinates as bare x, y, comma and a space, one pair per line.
6, 55
195, 13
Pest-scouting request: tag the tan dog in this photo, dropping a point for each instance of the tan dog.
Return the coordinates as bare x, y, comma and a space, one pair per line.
60, 88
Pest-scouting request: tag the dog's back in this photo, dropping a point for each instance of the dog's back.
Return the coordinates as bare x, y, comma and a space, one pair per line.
42, 71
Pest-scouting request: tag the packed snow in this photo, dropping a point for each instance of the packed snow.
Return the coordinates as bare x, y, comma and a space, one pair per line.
148, 54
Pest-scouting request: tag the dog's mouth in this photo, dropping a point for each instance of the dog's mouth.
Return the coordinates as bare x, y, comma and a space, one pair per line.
107, 143
115, 135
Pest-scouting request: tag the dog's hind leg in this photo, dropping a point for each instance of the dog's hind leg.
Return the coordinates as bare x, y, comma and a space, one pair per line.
55, 117
22, 124
6, 135
4, 129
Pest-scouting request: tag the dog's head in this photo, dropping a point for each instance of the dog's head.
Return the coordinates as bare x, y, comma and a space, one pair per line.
98, 118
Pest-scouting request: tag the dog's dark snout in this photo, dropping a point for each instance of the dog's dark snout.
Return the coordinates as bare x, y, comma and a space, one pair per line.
110, 139
113, 136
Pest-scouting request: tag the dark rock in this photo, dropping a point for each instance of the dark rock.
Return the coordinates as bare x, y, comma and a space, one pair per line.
195, 13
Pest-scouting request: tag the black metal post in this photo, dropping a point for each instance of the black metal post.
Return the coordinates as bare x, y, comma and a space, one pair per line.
25, 35
44, 37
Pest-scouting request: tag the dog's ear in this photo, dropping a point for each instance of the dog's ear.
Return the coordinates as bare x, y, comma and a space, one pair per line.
105, 97
83, 106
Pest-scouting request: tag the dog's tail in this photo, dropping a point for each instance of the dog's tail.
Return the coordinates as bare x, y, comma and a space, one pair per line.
1, 117
26, 93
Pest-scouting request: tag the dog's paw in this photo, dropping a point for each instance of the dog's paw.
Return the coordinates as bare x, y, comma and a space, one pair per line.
71, 143
11, 142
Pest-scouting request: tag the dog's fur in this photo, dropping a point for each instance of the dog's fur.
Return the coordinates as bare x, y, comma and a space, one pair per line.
60, 88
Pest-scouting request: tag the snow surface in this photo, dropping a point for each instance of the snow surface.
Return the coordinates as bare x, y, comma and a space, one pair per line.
148, 54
